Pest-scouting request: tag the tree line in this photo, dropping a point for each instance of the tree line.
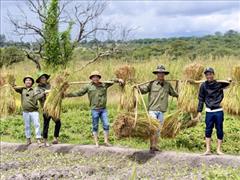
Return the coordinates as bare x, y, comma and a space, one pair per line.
217, 45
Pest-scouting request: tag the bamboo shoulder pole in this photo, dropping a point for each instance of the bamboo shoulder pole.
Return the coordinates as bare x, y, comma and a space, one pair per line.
87, 82
202, 81
154, 80
174, 80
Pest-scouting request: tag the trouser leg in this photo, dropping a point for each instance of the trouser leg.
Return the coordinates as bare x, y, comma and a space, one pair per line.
95, 121
35, 117
219, 118
208, 131
209, 124
104, 119
27, 124
57, 128
46, 120
219, 127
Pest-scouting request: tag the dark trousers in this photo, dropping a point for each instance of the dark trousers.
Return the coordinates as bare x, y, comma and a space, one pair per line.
214, 119
46, 120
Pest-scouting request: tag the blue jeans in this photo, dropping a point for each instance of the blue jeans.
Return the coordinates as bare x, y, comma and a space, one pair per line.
157, 115
214, 119
99, 114
34, 117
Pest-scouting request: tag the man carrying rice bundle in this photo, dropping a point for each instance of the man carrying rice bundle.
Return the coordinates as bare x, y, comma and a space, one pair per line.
211, 94
44, 86
29, 101
158, 92
97, 95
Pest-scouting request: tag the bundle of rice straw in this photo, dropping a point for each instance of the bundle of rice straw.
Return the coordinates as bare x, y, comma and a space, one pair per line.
2, 80
128, 98
126, 125
183, 117
126, 72
53, 103
231, 101
128, 93
188, 92
130, 123
171, 125
7, 94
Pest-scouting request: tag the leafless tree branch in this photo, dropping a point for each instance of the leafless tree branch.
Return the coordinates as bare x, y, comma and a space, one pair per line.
86, 20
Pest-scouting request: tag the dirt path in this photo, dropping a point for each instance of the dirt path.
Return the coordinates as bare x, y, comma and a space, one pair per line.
170, 157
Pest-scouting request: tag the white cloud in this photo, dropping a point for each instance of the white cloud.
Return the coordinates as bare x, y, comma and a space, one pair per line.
163, 19
156, 19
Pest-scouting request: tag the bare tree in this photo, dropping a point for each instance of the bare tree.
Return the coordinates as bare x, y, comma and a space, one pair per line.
85, 17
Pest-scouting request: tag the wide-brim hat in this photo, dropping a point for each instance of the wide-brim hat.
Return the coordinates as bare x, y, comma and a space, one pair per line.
42, 74
161, 69
28, 77
95, 73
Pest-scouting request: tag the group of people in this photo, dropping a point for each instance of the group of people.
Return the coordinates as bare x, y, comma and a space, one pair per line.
30, 98
210, 94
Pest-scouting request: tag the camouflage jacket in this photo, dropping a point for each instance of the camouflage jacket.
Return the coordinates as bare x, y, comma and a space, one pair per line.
97, 94
29, 98
158, 94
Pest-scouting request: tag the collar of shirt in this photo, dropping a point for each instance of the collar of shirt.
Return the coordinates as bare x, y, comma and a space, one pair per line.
97, 85
160, 82
28, 89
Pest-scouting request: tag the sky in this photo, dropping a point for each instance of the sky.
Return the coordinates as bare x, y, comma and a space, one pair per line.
152, 19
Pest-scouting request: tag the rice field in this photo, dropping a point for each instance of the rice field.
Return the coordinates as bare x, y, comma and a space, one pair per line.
76, 127
107, 67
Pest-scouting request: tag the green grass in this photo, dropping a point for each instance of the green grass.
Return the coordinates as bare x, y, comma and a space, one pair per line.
76, 120
76, 129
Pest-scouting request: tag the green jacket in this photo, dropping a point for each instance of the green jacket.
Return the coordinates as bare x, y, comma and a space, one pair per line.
29, 98
97, 94
158, 94
40, 89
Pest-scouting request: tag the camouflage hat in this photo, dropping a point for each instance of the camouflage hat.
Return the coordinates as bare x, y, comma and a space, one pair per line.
28, 77
161, 69
95, 73
40, 74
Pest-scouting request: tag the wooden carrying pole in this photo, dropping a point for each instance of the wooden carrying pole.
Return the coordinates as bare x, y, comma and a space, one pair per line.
154, 80
87, 82
191, 81
174, 80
